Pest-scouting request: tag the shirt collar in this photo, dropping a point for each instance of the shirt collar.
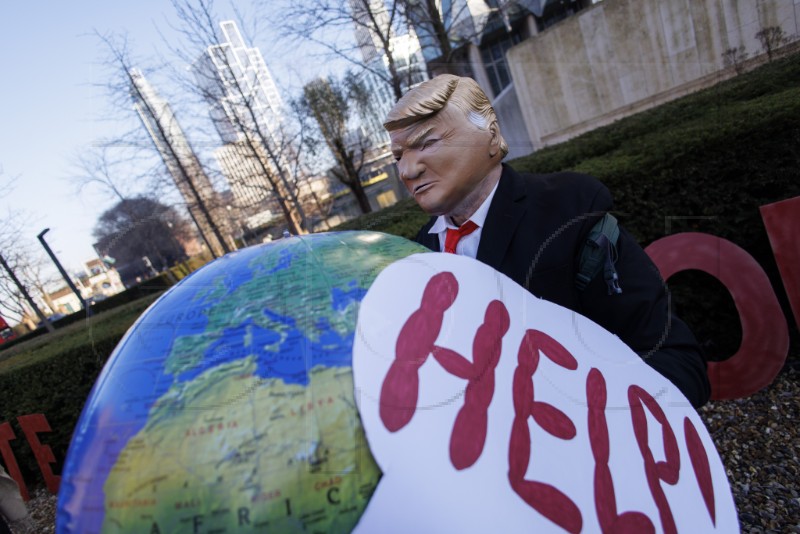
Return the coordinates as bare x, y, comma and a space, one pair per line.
442, 222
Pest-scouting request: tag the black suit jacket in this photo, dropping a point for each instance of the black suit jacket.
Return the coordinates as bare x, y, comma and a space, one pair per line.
534, 232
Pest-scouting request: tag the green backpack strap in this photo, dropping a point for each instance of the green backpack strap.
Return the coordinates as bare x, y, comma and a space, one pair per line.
600, 252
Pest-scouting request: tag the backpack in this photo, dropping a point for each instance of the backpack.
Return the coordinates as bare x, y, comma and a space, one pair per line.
600, 252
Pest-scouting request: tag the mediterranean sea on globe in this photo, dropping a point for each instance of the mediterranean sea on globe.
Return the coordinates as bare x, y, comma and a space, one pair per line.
229, 405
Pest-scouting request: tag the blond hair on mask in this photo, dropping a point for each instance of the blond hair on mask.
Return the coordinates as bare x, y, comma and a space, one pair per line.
430, 97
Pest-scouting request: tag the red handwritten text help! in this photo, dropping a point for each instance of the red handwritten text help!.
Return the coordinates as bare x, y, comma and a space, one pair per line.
489, 409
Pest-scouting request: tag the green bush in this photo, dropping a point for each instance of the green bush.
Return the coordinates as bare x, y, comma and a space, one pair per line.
53, 375
152, 286
403, 219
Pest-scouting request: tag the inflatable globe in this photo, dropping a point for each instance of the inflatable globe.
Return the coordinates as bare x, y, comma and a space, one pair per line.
228, 406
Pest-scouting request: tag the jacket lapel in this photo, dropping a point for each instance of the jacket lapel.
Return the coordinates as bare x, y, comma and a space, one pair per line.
505, 214
429, 240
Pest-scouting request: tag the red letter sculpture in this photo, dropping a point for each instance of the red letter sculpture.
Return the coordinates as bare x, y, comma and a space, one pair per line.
782, 220
31, 425
765, 336
6, 435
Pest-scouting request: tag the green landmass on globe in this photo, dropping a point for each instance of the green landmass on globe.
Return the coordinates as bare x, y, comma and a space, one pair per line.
229, 406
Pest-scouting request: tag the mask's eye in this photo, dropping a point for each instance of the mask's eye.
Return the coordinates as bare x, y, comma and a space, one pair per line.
428, 143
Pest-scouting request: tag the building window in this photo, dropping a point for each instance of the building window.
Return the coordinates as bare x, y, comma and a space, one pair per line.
555, 12
386, 199
494, 61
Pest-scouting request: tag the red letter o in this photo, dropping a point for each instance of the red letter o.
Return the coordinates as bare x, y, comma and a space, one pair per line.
765, 335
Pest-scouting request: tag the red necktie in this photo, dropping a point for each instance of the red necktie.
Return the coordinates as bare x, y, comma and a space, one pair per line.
455, 235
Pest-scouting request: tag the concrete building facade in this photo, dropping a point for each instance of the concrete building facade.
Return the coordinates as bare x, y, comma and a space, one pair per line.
247, 111
620, 57
95, 283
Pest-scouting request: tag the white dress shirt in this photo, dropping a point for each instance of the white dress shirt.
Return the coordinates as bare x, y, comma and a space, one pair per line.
468, 245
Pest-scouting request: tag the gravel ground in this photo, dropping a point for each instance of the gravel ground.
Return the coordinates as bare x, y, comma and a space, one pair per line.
756, 438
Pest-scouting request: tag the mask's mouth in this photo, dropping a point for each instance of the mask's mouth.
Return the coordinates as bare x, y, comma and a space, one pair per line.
422, 187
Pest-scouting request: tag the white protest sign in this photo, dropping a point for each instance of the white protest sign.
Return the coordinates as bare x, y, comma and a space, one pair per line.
489, 410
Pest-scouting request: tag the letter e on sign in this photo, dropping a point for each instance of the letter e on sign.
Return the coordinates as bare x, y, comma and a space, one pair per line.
32, 425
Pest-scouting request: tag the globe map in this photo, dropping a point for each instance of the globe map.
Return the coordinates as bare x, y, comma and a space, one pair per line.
229, 405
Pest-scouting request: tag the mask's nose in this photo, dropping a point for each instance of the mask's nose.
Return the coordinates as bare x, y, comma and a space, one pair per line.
410, 167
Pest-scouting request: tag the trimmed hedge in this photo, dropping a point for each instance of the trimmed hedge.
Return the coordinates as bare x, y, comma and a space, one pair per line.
404, 219
151, 286
53, 375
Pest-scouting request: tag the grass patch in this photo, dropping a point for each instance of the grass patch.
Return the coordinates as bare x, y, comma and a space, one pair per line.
83, 334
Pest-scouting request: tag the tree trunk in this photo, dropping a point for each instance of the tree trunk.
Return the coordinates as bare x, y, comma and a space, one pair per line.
352, 179
361, 196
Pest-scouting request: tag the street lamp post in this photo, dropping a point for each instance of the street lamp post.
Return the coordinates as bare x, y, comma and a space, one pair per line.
64, 274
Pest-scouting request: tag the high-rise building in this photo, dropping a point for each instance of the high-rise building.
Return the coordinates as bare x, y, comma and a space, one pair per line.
246, 110
180, 160
369, 16
372, 25
252, 192
449, 32
410, 68
238, 87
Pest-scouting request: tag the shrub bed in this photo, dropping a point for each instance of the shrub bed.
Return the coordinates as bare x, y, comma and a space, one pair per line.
403, 219
53, 375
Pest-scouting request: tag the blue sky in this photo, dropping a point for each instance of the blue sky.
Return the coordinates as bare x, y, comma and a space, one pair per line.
50, 107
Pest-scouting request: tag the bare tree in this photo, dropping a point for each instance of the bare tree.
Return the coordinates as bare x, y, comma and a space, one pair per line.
100, 169
24, 274
139, 227
443, 28
125, 85
375, 23
16, 301
329, 102
236, 88
319, 202
771, 38
735, 57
